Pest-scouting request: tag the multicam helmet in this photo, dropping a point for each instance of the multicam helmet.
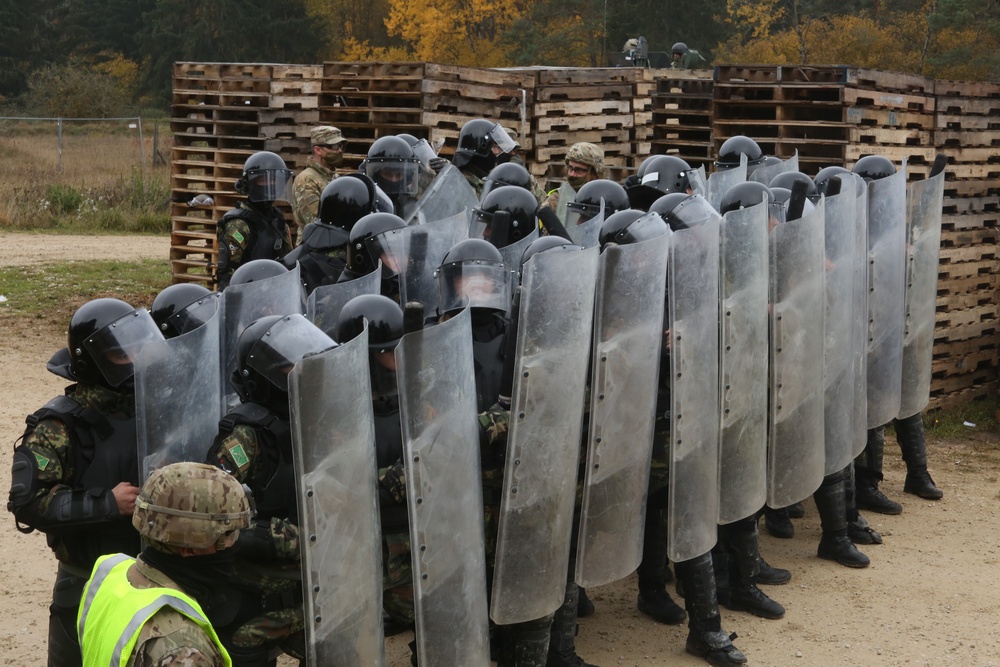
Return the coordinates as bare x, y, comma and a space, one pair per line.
191, 505
590, 155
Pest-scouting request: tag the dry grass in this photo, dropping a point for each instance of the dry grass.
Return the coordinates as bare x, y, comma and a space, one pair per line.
100, 183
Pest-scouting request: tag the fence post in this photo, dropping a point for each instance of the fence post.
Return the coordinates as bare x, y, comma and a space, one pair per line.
142, 146
59, 142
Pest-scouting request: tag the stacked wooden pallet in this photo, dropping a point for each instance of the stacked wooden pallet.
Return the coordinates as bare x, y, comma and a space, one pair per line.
370, 100
682, 116
967, 130
293, 110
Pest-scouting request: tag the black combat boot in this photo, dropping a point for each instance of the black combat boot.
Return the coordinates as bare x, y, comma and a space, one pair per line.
742, 543
868, 473
858, 529
772, 576
653, 599
562, 641
586, 607
831, 501
523, 644
706, 638
913, 444
796, 511
778, 524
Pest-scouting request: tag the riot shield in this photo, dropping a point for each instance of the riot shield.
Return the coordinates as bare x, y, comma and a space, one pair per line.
843, 348
923, 223
324, 304
334, 456
886, 295
536, 511
628, 320
698, 181
177, 396
860, 303
796, 453
693, 302
720, 181
448, 194
566, 194
743, 269
588, 234
245, 303
512, 258
417, 251
765, 174
437, 402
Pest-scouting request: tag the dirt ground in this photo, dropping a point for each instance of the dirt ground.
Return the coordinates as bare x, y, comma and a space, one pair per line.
930, 597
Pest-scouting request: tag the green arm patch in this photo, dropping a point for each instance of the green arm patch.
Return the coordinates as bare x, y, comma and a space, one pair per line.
239, 237
239, 455
43, 462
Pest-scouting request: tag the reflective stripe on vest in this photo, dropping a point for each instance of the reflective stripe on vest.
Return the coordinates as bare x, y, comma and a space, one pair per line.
117, 611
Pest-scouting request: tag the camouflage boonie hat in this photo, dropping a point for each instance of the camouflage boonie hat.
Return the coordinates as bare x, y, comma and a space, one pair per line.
191, 505
325, 135
590, 155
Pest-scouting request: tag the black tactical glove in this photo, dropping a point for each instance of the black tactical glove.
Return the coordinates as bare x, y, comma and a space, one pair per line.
437, 163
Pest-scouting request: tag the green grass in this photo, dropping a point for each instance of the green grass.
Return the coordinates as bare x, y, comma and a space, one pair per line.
49, 294
952, 423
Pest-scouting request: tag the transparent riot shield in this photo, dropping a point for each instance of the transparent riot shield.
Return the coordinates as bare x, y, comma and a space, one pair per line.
693, 302
843, 348
587, 234
743, 269
448, 194
924, 202
536, 511
698, 181
765, 174
628, 334
334, 455
796, 453
324, 304
512, 258
720, 181
245, 303
860, 304
177, 396
567, 193
886, 295
416, 253
437, 402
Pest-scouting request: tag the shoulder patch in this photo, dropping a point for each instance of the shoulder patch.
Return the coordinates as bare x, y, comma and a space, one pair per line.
43, 462
239, 455
239, 237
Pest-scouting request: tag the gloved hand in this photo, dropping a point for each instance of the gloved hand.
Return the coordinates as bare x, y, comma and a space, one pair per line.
437, 163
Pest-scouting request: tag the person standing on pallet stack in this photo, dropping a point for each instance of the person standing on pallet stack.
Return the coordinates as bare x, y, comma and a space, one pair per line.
327, 154
684, 58
255, 229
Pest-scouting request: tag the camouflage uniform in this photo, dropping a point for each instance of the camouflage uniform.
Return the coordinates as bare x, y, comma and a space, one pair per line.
476, 181
397, 566
690, 59
307, 189
247, 233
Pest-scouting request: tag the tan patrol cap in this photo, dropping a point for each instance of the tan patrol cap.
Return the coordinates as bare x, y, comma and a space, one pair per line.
325, 135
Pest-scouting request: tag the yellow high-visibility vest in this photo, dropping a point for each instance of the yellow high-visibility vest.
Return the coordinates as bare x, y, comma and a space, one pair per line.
112, 613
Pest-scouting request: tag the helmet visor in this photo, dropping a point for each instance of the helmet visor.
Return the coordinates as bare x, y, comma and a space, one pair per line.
643, 228
269, 185
694, 211
115, 347
423, 152
288, 341
195, 314
396, 176
473, 283
502, 139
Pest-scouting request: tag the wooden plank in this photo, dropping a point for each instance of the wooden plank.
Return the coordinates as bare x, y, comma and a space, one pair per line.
886, 80
968, 106
288, 72
583, 93
889, 136
962, 122
599, 137
571, 109
553, 153
581, 123
946, 88
949, 302
775, 73
897, 154
888, 100
956, 138
576, 75
296, 87
973, 253
888, 118
973, 237
447, 90
503, 77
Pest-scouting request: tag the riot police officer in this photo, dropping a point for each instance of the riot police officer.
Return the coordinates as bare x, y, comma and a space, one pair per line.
75, 472
183, 307
480, 143
393, 167
255, 229
370, 244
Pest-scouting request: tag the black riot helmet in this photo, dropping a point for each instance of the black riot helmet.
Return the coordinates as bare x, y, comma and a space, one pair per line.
392, 165
105, 335
680, 48
475, 144
385, 327
472, 274
265, 178
783, 196
822, 179
369, 244
410, 140
347, 199
266, 351
631, 226
744, 195
509, 214
666, 203
733, 148
183, 307
686, 212
256, 270
508, 173
874, 167
787, 179
547, 244
662, 175
589, 196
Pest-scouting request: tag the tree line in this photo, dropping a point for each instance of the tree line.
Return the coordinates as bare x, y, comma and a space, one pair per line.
102, 57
